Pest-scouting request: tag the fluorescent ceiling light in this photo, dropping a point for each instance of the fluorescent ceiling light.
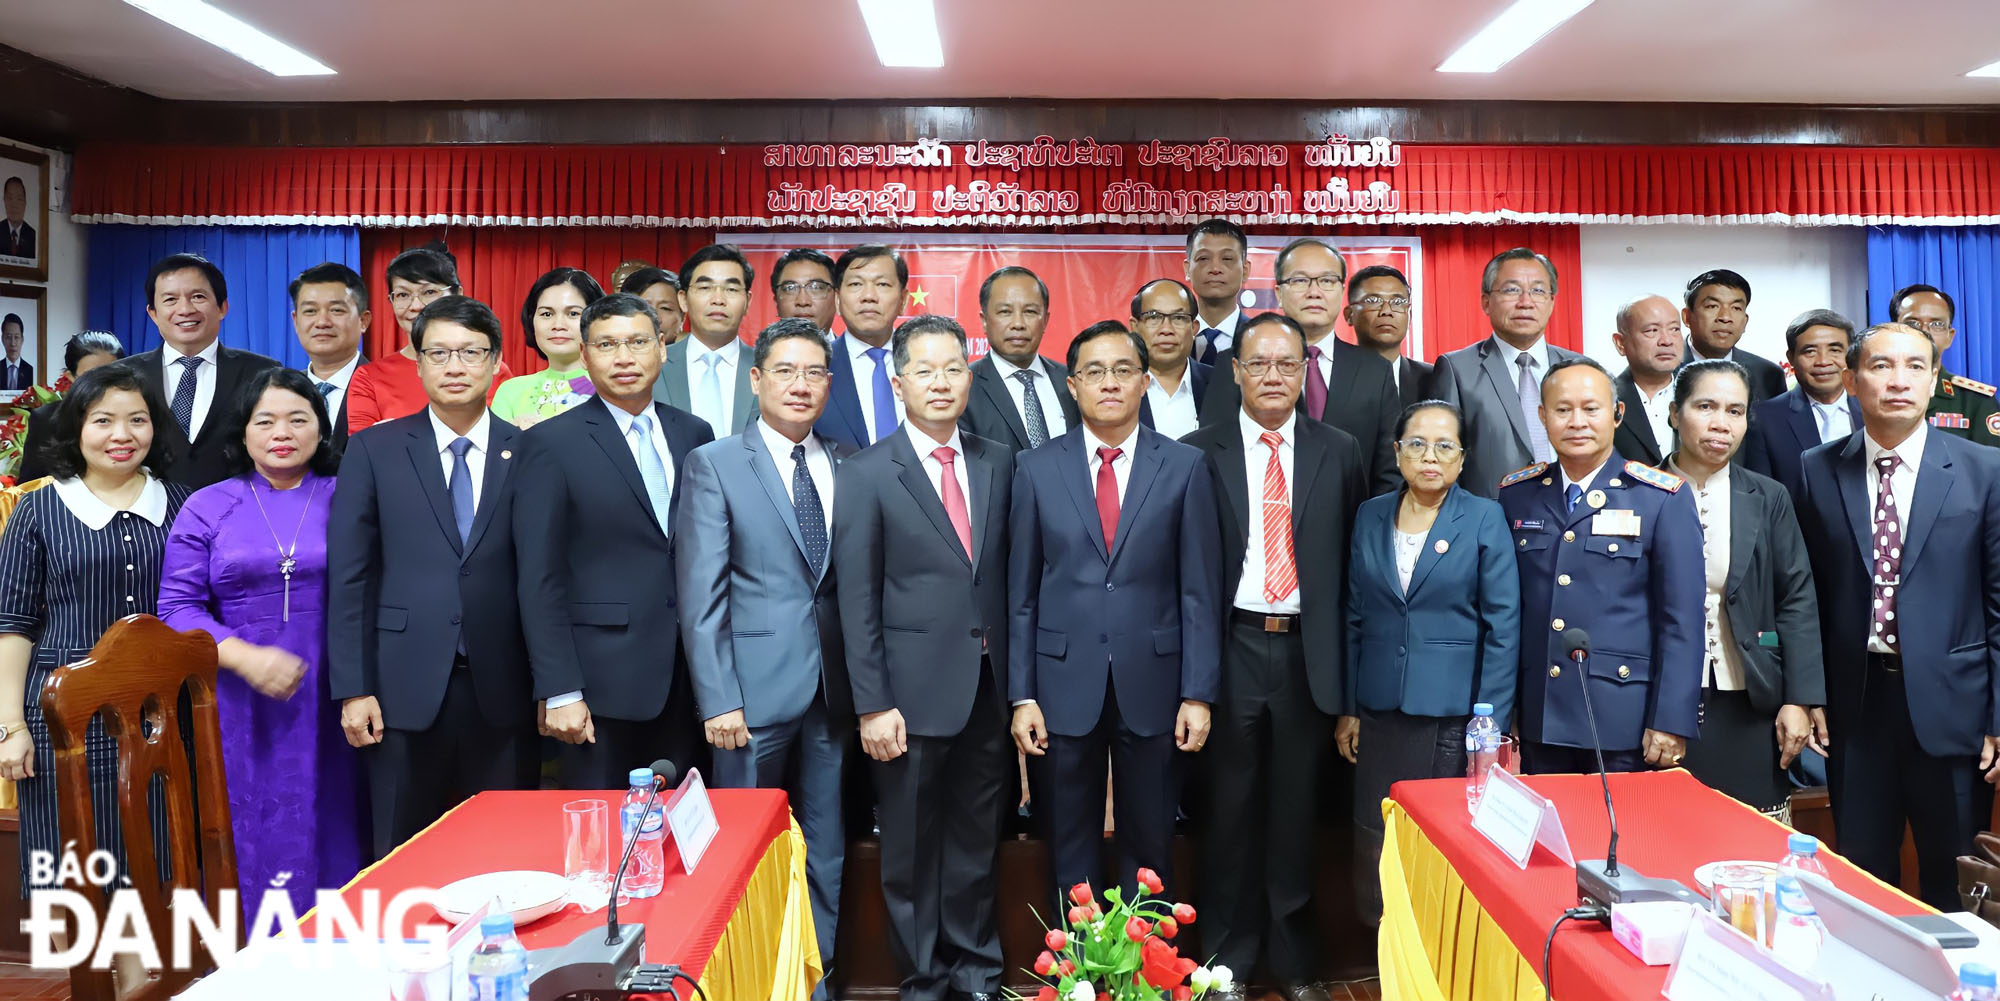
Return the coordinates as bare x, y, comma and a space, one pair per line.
905, 32
1510, 34
1990, 69
223, 30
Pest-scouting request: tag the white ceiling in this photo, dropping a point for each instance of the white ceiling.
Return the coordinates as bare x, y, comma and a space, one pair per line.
1803, 51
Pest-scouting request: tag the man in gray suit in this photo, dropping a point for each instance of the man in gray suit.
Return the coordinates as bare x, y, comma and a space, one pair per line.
758, 617
708, 374
1497, 383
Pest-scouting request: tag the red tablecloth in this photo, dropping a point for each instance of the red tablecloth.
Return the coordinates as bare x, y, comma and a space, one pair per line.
1669, 824
498, 831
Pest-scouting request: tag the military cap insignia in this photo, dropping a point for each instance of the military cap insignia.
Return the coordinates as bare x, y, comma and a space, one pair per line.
1972, 384
1522, 474
1653, 477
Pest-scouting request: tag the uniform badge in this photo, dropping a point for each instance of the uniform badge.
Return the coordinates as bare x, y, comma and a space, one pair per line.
1521, 474
1972, 384
1653, 477
1993, 424
1527, 525
1617, 522
1956, 421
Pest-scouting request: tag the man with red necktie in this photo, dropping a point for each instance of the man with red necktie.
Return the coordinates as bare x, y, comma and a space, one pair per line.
1290, 485
920, 536
1114, 584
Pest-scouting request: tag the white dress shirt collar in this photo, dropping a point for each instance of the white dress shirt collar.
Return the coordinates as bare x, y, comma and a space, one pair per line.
1226, 329
169, 354
1539, 351
1007, 368
925, 444
857, 350
1588, 479
341, 376
781, 446
1092, 443
1911, 451
724, 355
1252, 430
92, 511
479, 433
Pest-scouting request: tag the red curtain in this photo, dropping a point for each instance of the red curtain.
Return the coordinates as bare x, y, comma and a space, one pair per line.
737, 186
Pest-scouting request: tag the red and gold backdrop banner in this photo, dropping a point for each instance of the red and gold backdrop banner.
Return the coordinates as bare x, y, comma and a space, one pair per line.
1041, 183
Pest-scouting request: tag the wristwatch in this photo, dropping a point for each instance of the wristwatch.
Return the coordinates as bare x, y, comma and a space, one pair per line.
8, 730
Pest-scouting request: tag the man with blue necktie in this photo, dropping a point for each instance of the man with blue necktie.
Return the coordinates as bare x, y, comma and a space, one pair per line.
861, 406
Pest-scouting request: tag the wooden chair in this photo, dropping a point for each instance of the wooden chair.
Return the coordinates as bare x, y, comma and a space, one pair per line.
134, 677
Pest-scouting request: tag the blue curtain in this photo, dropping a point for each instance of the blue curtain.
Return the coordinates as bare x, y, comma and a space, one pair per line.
257, 261
1962, 260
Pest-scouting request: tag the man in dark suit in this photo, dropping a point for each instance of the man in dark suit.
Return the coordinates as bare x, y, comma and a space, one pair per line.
424, 645
17, 238
330, 316
594, 525
870, 281
16, 372
1163, 315
1903, 526
1717, 313
1496, 382
759, 620
1378, 308
1613, 547
1282, 673
1816, 411
1019, 398
1114, 639
1648, 337
187, 299
707, 373
1218, 262
1349, 387
920, 536
1962, 407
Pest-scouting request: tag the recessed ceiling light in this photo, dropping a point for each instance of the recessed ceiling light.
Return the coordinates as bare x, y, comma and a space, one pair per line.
1510, 34
223, 30
1990, 69
905, 32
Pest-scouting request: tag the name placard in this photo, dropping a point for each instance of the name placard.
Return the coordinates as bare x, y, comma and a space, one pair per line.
1719, 963
1516, 819
691, 817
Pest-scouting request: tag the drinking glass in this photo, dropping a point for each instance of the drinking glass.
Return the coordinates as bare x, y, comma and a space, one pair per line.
1509, 757
587, 851
1737, 896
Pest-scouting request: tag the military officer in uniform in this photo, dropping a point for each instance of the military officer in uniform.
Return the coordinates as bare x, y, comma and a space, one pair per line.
1614, 548
1960, 406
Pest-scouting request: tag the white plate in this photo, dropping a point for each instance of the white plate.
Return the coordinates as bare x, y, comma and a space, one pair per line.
1704, 877
527, 894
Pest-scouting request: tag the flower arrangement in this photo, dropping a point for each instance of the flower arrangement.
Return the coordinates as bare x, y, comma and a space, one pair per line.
1124, 953
14, 422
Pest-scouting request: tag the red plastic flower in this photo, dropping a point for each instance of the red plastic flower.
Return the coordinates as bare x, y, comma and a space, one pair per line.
1047, 993
1162, 965
1066, 968
1136, 928
1056, 940
1183, 993
1079, 915
1169, 927
1184, 913
1044, 963
1150, 881
1080, 893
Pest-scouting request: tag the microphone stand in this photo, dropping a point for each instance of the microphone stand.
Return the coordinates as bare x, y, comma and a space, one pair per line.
611, 968
1582, 658
1599, 883
612, 934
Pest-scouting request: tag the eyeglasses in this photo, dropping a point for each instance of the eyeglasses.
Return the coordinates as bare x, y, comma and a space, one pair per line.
1325, 283
949, 373
1444, 450
815, 288
783, 375
614, 345
1536, 292
443, 356
1374, 303
1260, 367
425, 296
1153, 318
1934, 326
1096, 373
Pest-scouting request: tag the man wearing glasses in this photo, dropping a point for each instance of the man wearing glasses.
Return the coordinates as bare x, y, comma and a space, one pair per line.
1497, 383
1163, 314
802, 285
1115, 636
594, 523
1289, 486
759, 620
1378, 308
708, 374
1959, 406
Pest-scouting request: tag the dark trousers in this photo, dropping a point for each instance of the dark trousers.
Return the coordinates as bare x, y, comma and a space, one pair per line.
1146, 774
415, 776
1266, 753
1881, 778
624, 744
1556, 759
941, 808
1395, 747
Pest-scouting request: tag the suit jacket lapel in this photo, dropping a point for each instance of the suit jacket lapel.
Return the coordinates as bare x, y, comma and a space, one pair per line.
1635, 415
1934, 483
1308, 455
981, 473
746, 403
1076, 473
994, 386
423, 449
1236, 477
1851, 473
846, 401
917, 480
1506, 385
673, 381
604, 431
1444, 530
764, 466
1145, 470
499, 464
1804, 423
1746, 521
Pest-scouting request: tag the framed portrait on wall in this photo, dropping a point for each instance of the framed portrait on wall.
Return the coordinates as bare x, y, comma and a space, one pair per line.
24, 213
23, 334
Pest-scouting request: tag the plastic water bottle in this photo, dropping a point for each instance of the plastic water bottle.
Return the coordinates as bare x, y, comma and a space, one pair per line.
1482, 750
648, 871
1976, 982
499, 967
1796, 933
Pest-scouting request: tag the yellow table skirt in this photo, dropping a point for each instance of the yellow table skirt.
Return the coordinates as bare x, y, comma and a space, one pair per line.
768, 950
1436, 942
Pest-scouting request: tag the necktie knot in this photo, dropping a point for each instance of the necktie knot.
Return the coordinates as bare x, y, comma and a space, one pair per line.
1572, 495
1025, 378
642, 423
799, 452
875, 354
1887, 463
1312, 353
1525, 360
943, 454
1272, 439
189, 364
459, 446
325, 388
1107, 456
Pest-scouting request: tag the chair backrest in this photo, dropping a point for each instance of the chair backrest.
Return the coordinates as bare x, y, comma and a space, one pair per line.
134, 677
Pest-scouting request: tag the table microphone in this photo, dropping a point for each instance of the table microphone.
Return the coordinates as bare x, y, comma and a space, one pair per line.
1600, 882
664, 774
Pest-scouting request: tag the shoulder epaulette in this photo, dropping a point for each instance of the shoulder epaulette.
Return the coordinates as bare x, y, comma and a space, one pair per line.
1972, 384
1653, 477
1523, 474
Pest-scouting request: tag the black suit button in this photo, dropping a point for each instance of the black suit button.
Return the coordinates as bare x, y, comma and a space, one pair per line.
1101, 638
454, 620
465, 571
1108, 586
975, 580
975, 632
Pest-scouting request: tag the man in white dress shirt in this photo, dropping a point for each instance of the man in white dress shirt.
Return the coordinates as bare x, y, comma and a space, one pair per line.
1164, 314
1019, 398
708, 374
870, 281
1815, 411
1218, 262
330, 315
1649, 339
